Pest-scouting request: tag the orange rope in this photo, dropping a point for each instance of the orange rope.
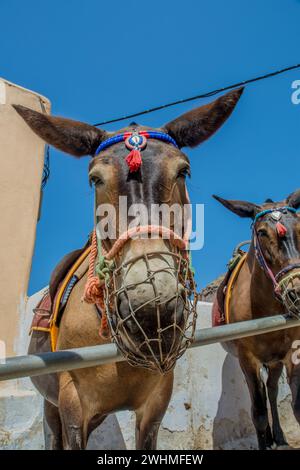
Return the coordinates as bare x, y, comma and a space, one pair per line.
93, 291
164, 232
104, 328
93, 288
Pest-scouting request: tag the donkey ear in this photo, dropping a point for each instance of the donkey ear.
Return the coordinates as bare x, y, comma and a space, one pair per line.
73, 137
293, 200
197, 125
241, 208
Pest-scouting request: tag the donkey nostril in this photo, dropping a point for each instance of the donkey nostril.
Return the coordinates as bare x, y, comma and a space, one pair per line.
124, 312
183, 294
123, 305
133, 327
175, 310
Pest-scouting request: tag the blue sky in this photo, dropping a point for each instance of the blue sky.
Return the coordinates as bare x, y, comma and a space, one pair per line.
96, 60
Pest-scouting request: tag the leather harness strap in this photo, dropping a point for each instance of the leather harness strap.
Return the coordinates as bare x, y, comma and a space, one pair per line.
230, 285
71, 273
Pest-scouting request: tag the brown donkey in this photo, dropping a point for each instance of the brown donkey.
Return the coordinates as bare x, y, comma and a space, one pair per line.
268, 283
76, 402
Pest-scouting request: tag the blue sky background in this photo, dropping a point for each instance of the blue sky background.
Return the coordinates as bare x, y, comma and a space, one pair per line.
96, 60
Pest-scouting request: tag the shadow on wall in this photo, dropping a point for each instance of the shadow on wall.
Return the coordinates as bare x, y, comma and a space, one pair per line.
107, 436
232, 422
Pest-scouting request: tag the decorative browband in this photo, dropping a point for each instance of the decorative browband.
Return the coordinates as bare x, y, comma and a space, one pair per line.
275, 213
136, 142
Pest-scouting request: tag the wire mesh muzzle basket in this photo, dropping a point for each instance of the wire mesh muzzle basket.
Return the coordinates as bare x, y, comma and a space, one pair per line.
156, 346
289, 293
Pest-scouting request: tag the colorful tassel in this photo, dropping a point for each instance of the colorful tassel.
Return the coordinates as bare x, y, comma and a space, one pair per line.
134, 160
281, 229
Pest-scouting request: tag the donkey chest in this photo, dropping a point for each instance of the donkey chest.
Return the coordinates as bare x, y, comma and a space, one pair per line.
272, 347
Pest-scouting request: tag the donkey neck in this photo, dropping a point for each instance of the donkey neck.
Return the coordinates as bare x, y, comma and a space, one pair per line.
263, 300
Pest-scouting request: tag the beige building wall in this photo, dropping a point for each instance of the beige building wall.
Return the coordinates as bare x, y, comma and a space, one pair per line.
21, 168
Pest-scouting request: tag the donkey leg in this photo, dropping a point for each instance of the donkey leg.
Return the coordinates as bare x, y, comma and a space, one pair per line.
52, 427
272, 387
257, 390
146, 432
150, 414
74, 432
294, 383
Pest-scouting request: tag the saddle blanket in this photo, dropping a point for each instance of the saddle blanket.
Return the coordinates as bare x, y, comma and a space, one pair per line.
48, 312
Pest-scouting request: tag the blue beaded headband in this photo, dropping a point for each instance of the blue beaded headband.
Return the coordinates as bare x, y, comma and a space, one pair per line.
275, 209
136, 142
147, 134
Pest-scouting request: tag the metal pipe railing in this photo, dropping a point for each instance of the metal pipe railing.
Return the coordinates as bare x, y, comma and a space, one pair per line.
79, 358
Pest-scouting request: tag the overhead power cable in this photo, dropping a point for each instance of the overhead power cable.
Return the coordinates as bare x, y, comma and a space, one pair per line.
197, 97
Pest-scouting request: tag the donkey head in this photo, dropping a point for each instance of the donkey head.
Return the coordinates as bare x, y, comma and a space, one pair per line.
148, 287
276, 243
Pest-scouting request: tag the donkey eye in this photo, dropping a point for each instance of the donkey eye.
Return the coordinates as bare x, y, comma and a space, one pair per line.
262, 232
95, 180
184, 172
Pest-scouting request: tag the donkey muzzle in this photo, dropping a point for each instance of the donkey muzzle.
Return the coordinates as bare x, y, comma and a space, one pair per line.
289, 287
151, 308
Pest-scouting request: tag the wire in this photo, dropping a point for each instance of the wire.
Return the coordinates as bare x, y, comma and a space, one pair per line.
46, 169
203, 95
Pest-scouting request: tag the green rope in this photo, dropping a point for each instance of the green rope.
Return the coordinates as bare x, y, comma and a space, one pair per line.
103, 266
192, 269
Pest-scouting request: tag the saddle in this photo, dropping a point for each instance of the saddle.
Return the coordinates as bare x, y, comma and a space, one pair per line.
221, 304
48, 312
